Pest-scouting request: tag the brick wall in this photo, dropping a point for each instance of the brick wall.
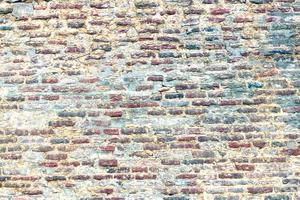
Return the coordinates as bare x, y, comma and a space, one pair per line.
149, 100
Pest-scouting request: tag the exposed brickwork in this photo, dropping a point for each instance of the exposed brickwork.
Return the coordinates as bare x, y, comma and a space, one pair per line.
149, 99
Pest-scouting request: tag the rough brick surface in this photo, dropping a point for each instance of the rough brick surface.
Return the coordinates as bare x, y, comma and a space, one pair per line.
149, 99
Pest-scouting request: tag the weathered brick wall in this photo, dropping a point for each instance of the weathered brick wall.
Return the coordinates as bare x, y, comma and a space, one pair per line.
153, 99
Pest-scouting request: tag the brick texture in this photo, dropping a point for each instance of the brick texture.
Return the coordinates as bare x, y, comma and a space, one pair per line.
149, 100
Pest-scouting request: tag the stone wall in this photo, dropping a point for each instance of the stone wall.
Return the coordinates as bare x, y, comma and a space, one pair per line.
149, 100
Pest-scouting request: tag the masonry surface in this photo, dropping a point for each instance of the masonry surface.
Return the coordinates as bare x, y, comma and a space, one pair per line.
149, 100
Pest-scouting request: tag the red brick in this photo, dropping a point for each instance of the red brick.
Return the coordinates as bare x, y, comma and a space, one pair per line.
108, 163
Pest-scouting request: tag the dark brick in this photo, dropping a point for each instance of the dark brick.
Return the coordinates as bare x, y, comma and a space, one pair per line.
260, 190
108, 163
